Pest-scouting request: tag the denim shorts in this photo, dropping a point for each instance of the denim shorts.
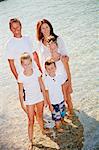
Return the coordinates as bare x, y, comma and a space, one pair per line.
59, 111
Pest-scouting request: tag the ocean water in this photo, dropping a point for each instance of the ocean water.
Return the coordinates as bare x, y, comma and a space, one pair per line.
77, 22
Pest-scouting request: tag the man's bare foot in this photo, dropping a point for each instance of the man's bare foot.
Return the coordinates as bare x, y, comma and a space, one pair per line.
60, 130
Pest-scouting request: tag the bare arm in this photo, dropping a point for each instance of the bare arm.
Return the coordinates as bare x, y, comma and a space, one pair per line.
13, 68
20, 85
36, 59
48, 101
45, 94
42, 86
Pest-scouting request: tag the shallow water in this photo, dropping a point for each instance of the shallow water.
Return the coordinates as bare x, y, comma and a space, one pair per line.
77, 22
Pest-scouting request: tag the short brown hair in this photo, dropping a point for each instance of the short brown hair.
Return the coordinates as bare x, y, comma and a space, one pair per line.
49, 62
14, 20
25, 56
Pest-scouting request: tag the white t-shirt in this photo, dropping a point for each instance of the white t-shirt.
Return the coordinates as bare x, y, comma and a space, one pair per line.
44, 52
32, 88
53, 85
61, 69
17, 46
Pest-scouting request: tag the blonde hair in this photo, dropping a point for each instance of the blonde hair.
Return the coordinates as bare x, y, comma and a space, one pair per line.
14, 20
25, 56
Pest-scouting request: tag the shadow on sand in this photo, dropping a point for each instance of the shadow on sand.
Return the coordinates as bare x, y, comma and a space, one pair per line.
70, 139
13, 135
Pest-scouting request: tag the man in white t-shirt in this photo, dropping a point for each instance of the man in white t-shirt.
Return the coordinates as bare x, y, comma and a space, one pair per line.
17, 45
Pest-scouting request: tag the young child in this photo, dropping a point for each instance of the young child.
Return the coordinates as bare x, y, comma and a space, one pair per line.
30, 79
63, 69
53, 83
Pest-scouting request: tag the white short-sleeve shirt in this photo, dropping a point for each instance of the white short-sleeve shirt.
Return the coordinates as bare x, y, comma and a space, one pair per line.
60, 69
44, 52
16, 47
54, 87
31, 86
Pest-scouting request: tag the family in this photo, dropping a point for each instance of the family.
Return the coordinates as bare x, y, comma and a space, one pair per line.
43, 75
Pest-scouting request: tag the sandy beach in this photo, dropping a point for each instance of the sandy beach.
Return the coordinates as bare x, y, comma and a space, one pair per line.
13, 134
77, 23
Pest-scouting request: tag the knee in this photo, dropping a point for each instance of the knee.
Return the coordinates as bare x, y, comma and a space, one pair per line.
31, 121
40, 114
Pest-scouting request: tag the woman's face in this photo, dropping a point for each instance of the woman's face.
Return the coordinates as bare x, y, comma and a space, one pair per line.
45, 29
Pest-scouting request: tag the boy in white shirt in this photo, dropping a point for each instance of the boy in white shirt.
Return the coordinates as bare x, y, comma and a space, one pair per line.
53, 84
63, 69
30, 79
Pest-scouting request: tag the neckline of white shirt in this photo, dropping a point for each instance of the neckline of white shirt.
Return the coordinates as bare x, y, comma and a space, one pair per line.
18, 38
29, 75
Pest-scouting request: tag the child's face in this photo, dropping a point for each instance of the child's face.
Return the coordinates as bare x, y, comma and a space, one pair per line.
52, 46
26, 64
51, 69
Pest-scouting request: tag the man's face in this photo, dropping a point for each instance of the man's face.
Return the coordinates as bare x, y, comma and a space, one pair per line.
16, 28
51, 69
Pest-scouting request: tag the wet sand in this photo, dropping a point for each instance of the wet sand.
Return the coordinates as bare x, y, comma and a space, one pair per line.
13, 135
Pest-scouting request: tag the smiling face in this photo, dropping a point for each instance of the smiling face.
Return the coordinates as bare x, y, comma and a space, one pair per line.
26, 64
26, 61
51, 69
52, 46
16, 29
45, 29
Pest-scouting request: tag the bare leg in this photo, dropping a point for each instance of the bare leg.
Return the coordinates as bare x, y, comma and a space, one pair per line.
67, 98
70, 105
58, 126
30, 110
39, 110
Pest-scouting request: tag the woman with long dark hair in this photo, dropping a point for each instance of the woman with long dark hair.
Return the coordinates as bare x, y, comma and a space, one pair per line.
44, 30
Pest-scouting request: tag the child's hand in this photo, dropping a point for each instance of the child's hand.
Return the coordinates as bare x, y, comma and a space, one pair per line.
45, 103
70, 87
24, 107
51, 108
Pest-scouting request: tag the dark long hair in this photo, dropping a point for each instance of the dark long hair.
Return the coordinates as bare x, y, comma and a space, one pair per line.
38, 29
